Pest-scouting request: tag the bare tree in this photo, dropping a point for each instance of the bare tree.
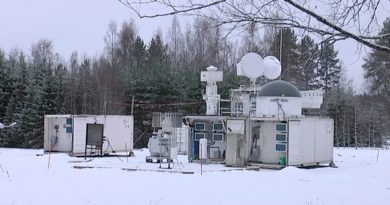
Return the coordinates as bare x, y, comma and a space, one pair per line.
332, 19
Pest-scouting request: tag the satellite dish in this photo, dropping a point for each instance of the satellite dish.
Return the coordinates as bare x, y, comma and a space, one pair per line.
251, 66
272, 67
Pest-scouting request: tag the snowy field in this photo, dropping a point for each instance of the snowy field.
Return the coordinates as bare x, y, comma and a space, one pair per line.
25, 179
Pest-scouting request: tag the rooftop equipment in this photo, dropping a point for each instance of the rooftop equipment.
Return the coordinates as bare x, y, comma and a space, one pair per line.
211, 76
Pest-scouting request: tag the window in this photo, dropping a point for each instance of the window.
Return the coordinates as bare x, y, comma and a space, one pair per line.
199, 136
281, 137
218, 137
281, 127
253, 104
199, 126
68, 130
217, 127
69, 121
281, 147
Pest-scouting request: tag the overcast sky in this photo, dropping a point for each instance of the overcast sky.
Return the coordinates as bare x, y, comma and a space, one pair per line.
79, 25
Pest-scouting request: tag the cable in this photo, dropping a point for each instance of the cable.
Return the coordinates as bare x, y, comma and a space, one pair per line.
281, 107
112, 149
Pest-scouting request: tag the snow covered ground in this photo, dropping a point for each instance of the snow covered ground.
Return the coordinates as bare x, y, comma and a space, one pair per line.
25, 179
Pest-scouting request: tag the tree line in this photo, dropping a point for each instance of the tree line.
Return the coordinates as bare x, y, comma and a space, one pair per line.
163, 75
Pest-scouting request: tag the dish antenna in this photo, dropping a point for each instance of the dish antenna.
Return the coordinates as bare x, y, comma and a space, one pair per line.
272, 67
251, 66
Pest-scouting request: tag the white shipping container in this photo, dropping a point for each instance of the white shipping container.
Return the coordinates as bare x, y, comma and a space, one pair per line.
310, 141
58, 137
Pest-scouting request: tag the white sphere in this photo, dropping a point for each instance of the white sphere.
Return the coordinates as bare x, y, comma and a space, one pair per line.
272, 67
251, 65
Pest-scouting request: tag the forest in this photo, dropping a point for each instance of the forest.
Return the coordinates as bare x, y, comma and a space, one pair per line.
132, 76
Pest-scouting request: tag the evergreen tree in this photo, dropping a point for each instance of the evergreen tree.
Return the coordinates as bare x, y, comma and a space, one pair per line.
16, 103
6, 85
290, 55
308, 58
39, 94
139, 53
157, 58
377, 68
60, 78
329, 69
32, 115
6, 89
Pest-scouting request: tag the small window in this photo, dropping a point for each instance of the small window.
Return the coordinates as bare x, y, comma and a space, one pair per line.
199, 126
253, 104
281, 147
218, 137
68, 130
281, 127
281, 137
199, 136
217, 127
68, 121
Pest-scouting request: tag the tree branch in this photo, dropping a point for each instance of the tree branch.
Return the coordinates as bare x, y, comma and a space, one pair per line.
175, 11
266, 12
333, 26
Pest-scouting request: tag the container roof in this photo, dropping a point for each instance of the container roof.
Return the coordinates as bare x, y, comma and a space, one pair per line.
279, 88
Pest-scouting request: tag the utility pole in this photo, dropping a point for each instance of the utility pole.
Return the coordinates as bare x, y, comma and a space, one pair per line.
356, 142
281, 50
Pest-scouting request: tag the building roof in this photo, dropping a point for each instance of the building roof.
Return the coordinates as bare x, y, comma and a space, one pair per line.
279, 88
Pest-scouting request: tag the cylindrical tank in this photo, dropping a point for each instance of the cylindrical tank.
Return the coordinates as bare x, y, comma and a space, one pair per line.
203, 149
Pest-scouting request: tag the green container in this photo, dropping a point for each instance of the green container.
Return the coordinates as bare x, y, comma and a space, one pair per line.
282, 160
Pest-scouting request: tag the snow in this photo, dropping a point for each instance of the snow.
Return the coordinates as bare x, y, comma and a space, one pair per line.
25, 179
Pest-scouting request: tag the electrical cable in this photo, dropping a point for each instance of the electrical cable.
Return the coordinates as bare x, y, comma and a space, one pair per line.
281, 107
112, 149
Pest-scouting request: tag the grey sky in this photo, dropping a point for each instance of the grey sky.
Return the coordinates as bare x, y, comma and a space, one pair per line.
71, 24
79, 25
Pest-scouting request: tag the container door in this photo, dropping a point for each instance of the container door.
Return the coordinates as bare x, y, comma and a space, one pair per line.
293, 143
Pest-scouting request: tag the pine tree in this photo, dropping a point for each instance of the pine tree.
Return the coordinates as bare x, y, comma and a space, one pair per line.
39, 94
32, 115
329, 69
139, 53
6, 85
308, 58
290, 55
6, 89
377, 67
157, 54
16, 103
60, 78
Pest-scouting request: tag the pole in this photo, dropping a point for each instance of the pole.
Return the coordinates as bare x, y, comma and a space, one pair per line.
132, 105
201, 163
280, 50
48, 162
127, 155
356, 143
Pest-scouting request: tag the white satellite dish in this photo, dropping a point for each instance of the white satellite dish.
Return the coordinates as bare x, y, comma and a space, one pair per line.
251, 66
272, 67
